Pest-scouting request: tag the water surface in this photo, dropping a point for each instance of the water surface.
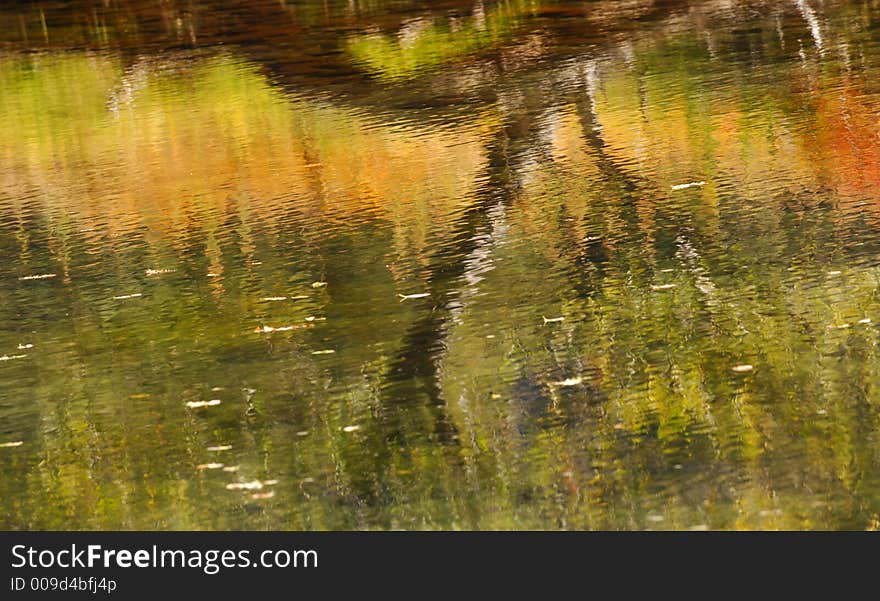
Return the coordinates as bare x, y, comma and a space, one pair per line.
393, 264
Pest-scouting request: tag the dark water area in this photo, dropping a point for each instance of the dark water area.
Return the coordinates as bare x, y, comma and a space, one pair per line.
376, 264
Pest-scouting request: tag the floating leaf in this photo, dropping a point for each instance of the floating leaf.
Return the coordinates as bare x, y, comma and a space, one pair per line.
9, 445
200, 404
11, 357
230, 468
302, 433
863, 321
742, 368
663, 287
159, 271
23, 347
222, 447
552, 319
569, 382
209, 466
688, 185
41, 276
328, 351
253, 485
269, 329
127, 296
274, 298
351, 428
404, 297
263, 495
318, 284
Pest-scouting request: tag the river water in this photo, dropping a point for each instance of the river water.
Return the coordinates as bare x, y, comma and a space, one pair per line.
392, 264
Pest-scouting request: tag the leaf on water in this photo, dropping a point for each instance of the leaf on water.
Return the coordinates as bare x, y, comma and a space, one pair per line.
269, 329
318, 284
9, 445
490, 336
222, 447
213, 275
139, 395
11, 357
552, 319
299, 297
688, 185
316, 319
274, 298
742, 368
159, 271
217, 389
822, 412
252, 485
209, 466
663, 287
41, 276
404, 297
200, 404
126, 296
351, 428
263, 495
230, 468
23, 347
866, 320
302, 433
328, 351
569, 382
655, 518
834, 272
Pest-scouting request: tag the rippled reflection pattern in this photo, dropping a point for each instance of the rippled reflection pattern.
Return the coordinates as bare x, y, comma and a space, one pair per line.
490, 265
